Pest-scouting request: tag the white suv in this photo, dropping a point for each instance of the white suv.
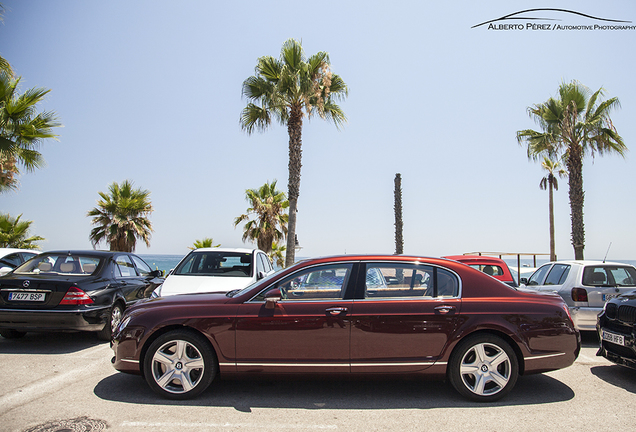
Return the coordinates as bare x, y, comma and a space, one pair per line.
216, 270
584, 285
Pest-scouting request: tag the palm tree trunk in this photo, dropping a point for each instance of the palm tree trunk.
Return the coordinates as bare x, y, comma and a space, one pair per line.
575, 180
551, 215
294, 129
399, 225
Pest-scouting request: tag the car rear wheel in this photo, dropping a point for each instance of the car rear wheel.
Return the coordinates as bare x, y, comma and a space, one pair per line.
483, 368
11, 334
180, 365
116, 312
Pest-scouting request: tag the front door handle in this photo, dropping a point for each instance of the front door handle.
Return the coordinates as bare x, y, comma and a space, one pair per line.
336, 311
445, 309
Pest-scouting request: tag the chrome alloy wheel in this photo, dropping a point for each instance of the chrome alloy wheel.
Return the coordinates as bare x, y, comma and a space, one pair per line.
177, 366
115, 317
485, 369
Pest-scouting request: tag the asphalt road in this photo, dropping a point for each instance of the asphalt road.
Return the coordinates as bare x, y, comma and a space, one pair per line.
62, 382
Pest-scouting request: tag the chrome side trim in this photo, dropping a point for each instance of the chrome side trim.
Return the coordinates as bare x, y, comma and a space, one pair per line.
394, 364
544, 356
130, 361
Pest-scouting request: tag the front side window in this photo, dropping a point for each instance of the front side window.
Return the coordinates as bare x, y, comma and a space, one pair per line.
408, 280
558, 274
318, 283
216, 263
79, 265
537, 276
143, 268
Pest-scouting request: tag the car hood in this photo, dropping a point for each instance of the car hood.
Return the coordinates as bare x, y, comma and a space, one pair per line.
179, 302
175, 284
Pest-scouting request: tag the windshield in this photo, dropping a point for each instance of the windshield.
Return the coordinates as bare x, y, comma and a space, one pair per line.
67, 264
216, 263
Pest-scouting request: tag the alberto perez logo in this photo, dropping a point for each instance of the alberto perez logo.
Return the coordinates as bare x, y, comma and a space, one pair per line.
554, 20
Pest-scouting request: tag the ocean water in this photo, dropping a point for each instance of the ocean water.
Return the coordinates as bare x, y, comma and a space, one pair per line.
162, 262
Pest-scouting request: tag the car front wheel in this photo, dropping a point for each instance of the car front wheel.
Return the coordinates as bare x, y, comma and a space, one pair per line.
483, 368
180, 365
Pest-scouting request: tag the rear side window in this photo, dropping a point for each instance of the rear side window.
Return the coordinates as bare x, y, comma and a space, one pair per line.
405, 280
125, 266
558, 274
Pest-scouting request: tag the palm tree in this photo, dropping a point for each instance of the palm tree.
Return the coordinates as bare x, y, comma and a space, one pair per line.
288, 89
206, 242
572, 125
4, 64
14, 233
22, 129
270, 220
277, 255
122, 217
550, 183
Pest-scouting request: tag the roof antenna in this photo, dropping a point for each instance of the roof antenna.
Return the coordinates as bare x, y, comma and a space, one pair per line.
608, 248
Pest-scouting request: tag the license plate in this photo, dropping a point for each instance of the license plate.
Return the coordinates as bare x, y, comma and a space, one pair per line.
26, 296
613, 338
607, 297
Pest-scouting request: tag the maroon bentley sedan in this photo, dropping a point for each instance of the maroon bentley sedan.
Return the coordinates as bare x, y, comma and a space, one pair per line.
370, 314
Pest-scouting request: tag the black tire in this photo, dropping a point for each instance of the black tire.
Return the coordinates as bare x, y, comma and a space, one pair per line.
483, 368
180, 364
115, 315
11, 334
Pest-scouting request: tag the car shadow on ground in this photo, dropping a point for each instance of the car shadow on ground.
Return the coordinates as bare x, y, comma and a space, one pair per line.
49, 343
244, 394
618, 376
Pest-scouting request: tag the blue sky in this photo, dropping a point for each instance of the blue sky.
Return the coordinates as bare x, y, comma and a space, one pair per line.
151, 91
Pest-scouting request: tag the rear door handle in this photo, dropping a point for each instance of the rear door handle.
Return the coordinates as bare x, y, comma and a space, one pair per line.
445, 309
336, 311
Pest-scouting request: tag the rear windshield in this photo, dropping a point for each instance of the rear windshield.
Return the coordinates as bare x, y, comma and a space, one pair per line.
231, 264
79, 265
609, 275
491, 269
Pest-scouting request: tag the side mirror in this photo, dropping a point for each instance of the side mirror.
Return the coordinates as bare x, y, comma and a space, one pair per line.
260, 275
272, 297
523, 281
156, 273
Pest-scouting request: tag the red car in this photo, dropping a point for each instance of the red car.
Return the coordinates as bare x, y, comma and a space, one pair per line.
492, 266
351, 314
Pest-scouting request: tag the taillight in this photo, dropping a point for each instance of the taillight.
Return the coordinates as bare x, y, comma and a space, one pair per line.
579, 294
75, 296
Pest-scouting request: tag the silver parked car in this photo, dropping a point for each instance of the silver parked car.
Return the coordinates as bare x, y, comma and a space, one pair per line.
584, 285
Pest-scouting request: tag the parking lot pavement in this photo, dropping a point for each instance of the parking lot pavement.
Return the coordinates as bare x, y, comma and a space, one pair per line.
66, 382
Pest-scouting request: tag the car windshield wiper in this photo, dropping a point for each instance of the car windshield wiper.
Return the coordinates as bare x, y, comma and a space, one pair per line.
231, 293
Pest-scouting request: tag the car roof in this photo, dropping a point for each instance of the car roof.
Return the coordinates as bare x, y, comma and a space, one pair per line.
7, 251
591, 262
475, 258
220, 249
85, 252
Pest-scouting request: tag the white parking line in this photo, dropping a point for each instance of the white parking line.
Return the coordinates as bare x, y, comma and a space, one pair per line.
183, 425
